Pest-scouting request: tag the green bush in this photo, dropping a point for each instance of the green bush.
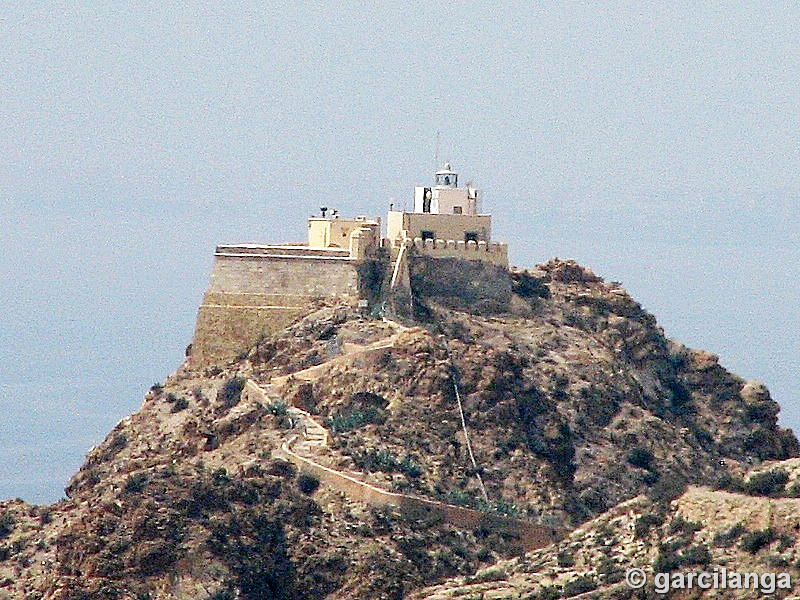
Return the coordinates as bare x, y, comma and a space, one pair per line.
756, 540
307, 483
135, 483
776, 560
681, 401
180, 404
641, 457
156, 556
727, 538
385, 461
564, 558
767, 483
484, 555
339, 422
669, 559
491, 574
118, 442
459, 498
579, 585
526, 285
731, 483
697, 555
462, 498
610, 569
547, 592
785, 541
7, 522
651, 478
231, 391
761, 412
667, 486
503, 507
681, 525
278, 408
645, 523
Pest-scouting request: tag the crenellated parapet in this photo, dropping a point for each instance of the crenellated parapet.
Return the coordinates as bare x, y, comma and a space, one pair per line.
492, 252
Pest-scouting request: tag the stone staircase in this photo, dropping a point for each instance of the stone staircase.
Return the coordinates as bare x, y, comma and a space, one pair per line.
313, 440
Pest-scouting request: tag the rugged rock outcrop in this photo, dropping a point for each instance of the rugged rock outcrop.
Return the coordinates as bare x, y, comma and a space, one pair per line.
577, 411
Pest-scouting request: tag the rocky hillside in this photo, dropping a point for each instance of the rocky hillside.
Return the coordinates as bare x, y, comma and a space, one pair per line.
701, 530
575, 402
577, 411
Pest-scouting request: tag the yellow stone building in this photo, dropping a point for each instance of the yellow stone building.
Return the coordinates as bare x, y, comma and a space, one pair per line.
335, 232
258, 289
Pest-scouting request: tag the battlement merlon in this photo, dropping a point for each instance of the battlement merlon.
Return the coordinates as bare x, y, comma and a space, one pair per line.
491, 252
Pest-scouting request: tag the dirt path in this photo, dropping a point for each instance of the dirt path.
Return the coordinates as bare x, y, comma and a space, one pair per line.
309, 441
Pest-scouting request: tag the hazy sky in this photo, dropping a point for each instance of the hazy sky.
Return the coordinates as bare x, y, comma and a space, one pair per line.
656, 144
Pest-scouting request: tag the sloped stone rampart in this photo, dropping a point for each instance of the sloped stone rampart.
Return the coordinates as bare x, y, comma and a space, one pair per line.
253, 294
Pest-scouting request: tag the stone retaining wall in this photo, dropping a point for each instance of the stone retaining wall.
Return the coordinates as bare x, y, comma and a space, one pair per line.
529, 535
469, 285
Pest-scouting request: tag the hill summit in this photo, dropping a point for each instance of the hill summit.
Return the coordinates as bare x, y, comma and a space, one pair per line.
533, 439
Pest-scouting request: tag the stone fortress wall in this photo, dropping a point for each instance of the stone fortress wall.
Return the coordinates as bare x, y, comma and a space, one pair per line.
260, 289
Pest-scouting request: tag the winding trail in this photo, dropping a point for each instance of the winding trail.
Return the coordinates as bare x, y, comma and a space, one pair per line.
303, 450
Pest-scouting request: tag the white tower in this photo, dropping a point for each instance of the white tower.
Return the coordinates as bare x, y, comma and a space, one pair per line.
445, 197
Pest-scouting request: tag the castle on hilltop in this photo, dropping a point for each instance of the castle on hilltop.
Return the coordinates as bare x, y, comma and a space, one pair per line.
258, 289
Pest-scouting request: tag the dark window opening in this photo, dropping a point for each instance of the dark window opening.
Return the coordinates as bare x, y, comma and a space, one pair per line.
428, 235
447, 179
471, 236
457, 210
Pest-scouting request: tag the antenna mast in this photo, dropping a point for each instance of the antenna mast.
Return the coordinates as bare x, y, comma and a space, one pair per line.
436, 154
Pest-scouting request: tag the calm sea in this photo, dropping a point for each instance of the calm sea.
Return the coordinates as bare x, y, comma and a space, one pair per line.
48, 425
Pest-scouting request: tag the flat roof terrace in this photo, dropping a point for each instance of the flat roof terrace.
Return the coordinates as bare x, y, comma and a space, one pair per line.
281, 251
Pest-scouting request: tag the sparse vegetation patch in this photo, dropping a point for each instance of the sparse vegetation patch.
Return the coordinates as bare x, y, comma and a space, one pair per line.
7, 522
231, 392
767, 483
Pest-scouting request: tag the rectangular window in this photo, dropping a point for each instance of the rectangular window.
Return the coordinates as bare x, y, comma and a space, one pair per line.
428, 235
470, 236
457, 210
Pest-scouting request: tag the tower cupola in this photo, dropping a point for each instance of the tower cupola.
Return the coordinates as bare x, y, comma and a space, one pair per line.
446, 177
